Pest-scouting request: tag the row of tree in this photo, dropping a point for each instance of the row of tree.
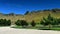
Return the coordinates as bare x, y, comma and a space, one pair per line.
4, 22
24, 23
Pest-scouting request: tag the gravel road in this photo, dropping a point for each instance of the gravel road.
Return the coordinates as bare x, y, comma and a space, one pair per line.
8, 30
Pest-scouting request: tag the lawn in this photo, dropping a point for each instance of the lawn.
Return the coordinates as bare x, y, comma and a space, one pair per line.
28, 27
57, 28
39, 27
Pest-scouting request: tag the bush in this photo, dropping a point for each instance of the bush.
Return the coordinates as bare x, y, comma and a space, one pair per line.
4, 22
18, 23
33, 23
8, 22
49, 21
24, 23
21, 22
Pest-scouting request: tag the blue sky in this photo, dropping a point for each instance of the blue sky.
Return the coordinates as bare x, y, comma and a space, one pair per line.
21, 6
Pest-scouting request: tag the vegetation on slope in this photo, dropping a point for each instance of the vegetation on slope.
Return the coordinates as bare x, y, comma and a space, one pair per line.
29, 16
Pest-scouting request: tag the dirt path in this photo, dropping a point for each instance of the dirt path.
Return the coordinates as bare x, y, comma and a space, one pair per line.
7, 30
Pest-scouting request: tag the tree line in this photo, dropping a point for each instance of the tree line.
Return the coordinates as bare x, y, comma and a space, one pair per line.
24, 23
4, 22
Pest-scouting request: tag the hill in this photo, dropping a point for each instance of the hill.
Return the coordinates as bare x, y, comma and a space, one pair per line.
38, 15
34, 15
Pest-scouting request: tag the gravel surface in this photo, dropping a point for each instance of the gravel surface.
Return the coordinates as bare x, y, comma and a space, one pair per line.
8, 30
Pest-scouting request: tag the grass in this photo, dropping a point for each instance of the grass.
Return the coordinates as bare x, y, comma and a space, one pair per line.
57, 28
19, 27
39, 27
30, 27
4, 26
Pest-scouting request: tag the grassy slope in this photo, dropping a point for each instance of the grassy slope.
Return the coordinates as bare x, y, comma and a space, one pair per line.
32, 16
39, 15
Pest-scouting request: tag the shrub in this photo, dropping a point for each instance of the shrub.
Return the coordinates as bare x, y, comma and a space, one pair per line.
49, 21
21, 22
4, 22
9, 22
33, 23
18, 23
24, 23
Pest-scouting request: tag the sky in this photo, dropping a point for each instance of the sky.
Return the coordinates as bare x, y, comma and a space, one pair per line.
21, 6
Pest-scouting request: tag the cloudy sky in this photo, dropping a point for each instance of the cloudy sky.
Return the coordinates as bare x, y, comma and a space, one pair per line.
21, 6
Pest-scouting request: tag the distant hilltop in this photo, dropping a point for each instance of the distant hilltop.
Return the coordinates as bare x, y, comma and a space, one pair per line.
34, 11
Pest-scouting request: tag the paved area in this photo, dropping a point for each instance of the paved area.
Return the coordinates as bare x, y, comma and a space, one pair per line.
7, 30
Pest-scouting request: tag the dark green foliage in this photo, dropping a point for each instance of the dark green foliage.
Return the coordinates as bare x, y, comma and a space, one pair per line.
43, 23
21, 22
50, 17
24, 23
50, 21
4, 22
1, 22
33, 23
9, 22
58, 21
18, 23
55, 22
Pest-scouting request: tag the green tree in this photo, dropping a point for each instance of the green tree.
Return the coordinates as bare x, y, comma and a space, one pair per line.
1, 22
18, 22
24, 23
58, 21
4, 22
8, 22
49, 21
33, 23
